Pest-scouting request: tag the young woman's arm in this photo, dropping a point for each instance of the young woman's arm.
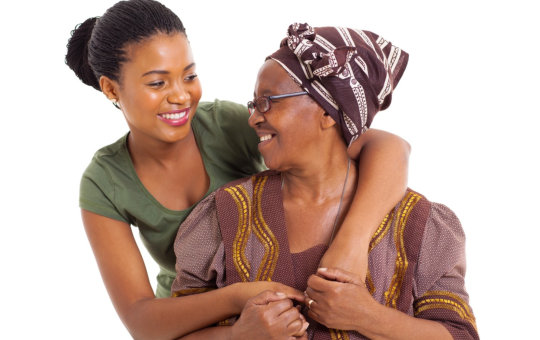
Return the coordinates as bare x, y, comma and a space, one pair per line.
124, 274
382, 181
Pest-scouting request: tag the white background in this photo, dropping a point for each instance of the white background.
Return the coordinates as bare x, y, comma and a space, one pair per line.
467, 103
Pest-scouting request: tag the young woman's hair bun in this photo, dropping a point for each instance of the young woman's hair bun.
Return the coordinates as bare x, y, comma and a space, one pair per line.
77, 53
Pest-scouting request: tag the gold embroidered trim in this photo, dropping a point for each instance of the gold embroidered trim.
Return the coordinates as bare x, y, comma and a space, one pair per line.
377, 237
190, 291
337, 334
264, 234
369, 283
407, 204
453, 302
381, 231
243, 205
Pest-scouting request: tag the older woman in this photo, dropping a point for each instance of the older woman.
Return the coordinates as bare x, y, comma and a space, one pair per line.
313, 97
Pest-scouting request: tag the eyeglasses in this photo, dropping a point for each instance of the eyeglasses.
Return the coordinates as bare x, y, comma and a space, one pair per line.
262, 103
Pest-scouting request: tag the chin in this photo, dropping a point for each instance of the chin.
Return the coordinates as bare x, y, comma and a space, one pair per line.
270, 164
274, 165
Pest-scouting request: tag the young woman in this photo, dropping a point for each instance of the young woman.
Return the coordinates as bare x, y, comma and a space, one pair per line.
415, 288
176, 152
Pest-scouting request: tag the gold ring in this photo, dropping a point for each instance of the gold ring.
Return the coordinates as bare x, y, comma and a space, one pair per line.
309, 303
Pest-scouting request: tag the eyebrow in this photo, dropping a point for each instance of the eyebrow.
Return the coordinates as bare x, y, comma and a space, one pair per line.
166, 72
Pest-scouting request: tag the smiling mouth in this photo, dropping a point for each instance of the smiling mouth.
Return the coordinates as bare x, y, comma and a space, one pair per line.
265, 138
175, 118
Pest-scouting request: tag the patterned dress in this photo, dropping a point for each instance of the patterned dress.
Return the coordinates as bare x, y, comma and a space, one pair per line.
416, 256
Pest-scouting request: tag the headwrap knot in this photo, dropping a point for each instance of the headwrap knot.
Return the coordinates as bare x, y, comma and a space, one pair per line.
322, 63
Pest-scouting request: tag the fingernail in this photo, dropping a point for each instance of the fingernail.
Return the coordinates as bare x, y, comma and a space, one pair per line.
322, 269
281, 294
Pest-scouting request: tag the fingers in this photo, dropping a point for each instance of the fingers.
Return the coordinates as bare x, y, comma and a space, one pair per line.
293, 294
277, 302
303, 325
285, 313
320, 284
268, 296
340, 275
296, 323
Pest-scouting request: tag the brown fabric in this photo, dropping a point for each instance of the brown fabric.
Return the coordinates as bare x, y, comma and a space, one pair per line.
416, 257
350, 73
259, 235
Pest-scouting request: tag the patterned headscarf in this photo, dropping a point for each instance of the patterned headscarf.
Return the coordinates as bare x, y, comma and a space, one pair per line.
350, 73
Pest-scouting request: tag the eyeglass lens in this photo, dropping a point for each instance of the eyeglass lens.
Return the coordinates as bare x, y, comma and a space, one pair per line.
262, 104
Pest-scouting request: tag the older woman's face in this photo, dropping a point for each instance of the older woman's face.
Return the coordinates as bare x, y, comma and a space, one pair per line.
288, 130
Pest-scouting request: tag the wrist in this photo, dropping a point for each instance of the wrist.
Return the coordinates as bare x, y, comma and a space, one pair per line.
234, 298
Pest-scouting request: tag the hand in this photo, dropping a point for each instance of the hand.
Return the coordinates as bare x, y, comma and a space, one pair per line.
269, 315
247, 290
340, 299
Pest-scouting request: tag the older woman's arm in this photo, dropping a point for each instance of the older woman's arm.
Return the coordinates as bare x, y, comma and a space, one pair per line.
382, 181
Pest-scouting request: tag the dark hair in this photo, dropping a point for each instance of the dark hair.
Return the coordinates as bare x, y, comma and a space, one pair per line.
97, 47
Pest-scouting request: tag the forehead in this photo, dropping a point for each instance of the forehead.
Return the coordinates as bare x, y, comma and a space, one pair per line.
160, 51
273, 79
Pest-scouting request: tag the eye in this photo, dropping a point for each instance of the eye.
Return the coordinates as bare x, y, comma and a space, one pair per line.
191, 77
156, 84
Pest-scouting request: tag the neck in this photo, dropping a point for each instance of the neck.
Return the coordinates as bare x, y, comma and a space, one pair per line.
145, 150
320, 181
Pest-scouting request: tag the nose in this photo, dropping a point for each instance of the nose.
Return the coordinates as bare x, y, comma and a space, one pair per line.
178, 94
255, 119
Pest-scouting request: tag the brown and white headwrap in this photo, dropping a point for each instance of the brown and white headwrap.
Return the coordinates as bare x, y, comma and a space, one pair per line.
350, 73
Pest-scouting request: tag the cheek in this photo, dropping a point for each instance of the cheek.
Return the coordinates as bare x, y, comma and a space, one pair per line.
299, 138
197, 91
140, 97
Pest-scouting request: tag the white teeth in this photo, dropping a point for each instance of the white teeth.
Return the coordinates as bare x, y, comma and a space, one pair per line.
265, 138
174, 115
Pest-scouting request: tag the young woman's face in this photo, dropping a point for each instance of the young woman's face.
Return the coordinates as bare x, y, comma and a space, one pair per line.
288, 131
159, 90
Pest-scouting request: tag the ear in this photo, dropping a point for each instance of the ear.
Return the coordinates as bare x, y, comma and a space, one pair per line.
109, 87
327, 121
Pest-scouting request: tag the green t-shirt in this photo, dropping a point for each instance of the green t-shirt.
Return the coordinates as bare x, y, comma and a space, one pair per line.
110, 187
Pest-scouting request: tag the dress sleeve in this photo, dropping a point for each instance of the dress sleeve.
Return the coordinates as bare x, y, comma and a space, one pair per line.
199, 251
440, 293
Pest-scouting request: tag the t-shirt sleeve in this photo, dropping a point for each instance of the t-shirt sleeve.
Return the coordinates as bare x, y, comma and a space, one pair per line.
200, 255
96, 193
440, 287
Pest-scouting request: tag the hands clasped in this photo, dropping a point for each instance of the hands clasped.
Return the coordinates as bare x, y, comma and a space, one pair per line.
270, 315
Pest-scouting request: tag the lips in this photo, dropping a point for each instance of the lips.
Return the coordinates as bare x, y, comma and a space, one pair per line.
175, 118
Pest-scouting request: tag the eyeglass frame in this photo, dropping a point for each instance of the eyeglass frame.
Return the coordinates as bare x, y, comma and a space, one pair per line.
252, 103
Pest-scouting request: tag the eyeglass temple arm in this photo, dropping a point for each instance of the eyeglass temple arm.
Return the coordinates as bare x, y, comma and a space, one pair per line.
287, 95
